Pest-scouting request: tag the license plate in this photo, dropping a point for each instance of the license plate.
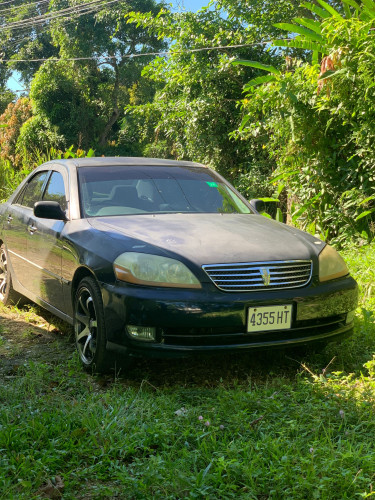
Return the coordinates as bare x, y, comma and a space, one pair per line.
264, 319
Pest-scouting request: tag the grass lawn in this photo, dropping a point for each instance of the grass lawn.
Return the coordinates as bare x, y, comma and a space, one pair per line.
266, 425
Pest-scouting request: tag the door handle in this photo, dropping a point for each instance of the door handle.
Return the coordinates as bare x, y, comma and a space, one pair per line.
31, 228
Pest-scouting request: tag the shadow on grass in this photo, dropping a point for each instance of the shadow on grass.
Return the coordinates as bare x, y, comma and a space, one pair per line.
258, 366
33, 334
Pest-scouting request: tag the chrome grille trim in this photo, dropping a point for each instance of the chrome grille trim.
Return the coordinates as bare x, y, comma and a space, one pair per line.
247, 276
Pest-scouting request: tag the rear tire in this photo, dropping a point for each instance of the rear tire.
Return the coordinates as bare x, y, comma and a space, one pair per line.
89, 328
8, 296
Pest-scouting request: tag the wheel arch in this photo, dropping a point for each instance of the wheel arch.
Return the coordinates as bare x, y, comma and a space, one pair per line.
80, 273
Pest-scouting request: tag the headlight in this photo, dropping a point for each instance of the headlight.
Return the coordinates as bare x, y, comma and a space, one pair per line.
146, 269
331, 265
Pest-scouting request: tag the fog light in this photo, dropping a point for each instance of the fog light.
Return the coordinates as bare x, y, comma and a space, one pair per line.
350, 317
142, 332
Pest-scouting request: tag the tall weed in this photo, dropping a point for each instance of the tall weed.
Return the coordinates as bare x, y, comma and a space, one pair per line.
10, 177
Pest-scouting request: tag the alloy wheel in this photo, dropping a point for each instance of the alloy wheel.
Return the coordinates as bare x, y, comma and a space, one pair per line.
86, 325
3, 274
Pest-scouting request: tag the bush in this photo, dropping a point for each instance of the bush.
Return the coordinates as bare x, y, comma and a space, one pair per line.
37, 134
60, 97
320, 133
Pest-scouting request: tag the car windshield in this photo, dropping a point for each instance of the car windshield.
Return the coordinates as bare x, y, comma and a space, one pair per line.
129, 190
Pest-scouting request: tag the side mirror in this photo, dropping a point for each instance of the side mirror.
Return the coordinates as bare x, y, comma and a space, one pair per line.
258, 206
49, 210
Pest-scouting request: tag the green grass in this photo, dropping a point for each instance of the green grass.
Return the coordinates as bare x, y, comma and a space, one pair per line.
271, 425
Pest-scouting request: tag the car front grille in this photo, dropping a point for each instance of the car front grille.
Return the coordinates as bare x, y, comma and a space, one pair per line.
244, 277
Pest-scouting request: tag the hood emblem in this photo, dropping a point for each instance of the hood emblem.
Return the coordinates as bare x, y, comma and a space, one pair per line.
266, 277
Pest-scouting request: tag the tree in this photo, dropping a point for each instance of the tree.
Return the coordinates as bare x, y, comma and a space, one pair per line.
102, 45
318, 118
6, 97
62, 96
195, 108
24, 34
111, 42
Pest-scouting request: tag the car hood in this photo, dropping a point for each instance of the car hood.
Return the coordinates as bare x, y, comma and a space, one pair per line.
211, 238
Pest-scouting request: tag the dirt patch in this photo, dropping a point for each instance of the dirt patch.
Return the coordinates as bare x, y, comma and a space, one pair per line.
31, 334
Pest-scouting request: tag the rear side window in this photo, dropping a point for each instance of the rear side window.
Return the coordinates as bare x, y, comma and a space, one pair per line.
55, 190
33, 190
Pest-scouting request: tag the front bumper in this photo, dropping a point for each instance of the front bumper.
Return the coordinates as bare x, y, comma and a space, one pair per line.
209, 320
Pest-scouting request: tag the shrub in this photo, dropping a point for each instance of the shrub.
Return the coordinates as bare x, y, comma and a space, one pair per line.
11, 121
37, 134
317, 124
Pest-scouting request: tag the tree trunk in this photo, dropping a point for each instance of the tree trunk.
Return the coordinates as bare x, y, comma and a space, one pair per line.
115, 109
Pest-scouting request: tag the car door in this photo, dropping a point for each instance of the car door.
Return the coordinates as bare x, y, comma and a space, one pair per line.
17, 217
44, 246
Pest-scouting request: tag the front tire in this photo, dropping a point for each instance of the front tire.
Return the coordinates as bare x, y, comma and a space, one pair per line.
8, 296
89, 328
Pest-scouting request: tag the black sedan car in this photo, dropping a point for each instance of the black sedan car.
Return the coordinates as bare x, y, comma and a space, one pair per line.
160, 257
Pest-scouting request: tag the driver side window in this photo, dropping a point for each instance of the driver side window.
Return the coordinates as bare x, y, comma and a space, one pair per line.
55, 190
33, 190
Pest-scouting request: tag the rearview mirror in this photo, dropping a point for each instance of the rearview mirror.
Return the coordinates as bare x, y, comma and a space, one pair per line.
257, 205
49, 210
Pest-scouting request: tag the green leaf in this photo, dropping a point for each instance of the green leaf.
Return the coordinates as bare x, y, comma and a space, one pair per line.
90, 153
370, 4
205, 472
294, 28
309, 23
370, 198
284, 175
303, 209
329, 9
299, 212
317, 10
327, 74
352, 3
256, 64
279, 215
330, 73
364, 214
348, 14
367, 15
245, 119
269, 199
299, 43
259, 81
280, 188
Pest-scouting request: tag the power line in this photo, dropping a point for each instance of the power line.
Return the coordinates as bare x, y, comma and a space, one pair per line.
144, 54
77, 9
67, 20
37, 3
18, 83
4, 3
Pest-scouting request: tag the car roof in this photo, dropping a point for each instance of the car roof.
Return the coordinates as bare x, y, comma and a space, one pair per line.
123, 161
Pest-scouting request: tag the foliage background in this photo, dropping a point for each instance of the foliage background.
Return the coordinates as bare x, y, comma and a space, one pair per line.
292, 132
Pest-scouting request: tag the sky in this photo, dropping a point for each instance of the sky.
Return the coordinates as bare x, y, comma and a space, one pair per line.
192, 5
